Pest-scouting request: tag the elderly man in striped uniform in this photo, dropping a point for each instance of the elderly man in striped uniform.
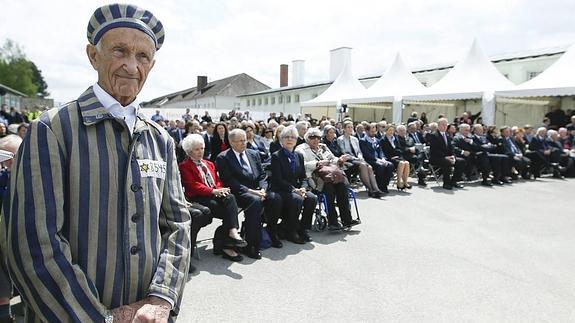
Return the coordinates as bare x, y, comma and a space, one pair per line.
97, 227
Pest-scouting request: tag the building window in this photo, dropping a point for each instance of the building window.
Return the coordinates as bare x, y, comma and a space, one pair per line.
288, 98
266, 101
280, 99
248, 103
259, 101
273, 100
531, 75
296, 98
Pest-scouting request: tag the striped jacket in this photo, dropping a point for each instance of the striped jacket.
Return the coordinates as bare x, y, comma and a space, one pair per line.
96, 217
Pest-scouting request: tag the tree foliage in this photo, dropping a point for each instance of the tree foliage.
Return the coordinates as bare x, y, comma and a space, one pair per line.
19, 73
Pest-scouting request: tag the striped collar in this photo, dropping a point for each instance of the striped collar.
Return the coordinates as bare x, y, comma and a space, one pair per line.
93, 111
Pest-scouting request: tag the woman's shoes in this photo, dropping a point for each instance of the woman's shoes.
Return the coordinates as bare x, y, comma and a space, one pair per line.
400, 187
235, 258
408, 186
232, 242
375, 194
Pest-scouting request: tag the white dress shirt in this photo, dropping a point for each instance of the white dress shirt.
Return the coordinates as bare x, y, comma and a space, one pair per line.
127, 113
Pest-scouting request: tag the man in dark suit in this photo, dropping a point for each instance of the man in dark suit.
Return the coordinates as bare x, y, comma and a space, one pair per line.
442, 156
510, 148
499, 162
241, 170
208, 134
466, 148
412, 153
177, 134
373, 155
415, 134
549, 155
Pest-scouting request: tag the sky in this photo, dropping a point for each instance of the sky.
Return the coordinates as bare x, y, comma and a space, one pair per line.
220, 38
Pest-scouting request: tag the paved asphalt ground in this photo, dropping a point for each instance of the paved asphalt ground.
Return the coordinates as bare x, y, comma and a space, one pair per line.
477, 254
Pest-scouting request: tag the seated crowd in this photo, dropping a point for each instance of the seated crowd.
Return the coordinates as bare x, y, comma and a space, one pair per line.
277, 171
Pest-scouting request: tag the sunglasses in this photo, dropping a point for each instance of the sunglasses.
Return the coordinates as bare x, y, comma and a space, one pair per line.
313, 137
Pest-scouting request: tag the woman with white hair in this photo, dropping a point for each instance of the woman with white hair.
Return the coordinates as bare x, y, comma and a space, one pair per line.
202, 185
317, 155
289, 181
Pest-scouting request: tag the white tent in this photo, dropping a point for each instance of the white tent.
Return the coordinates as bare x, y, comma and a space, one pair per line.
474, 77
344, 86
390, 87
556, 80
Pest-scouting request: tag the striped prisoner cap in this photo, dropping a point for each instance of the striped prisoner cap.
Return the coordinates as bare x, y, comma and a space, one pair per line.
124, 15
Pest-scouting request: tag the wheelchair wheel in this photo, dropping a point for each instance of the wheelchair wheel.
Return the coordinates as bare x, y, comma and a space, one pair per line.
322, 223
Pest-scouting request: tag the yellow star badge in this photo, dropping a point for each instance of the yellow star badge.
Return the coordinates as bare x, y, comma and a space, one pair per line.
144, 168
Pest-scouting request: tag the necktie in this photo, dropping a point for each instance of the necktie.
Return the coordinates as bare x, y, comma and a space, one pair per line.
245, 164
416, 138
513, 148
445, 139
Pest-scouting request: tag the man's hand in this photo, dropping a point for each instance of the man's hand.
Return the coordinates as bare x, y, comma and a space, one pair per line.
412, 149
547, 152
466, 153
123, 314
150, 309
261, 193
300, 191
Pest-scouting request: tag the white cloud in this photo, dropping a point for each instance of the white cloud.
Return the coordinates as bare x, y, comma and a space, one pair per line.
222, 38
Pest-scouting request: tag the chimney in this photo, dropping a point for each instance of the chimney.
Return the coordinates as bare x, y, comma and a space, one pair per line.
338, 58
202, 82
298, 72
283, 75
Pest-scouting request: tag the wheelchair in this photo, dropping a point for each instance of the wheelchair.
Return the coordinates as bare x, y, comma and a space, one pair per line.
320, 215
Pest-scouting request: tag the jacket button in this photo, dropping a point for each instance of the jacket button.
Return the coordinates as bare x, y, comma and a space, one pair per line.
135, 217
135, 187
134, 250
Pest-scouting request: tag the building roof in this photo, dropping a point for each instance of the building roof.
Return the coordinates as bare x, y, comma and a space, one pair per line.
556, 80
11, 90
548, 51
230, 86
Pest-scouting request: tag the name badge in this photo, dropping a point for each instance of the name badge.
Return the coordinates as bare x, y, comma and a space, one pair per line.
152, 168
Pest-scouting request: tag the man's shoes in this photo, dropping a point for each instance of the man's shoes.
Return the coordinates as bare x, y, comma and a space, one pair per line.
456, 185
497, 182
334, 227
506, 180
295, 238
447, 187
486, 183
353, 223
235, 258
232, 242
421, 182
252, 252
304, 235
276, 243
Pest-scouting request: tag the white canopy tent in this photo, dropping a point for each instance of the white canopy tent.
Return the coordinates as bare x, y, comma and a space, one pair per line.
390, 87
556, 80
344, 86
474, 77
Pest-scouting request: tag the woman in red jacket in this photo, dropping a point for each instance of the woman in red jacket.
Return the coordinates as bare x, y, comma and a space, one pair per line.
202, 185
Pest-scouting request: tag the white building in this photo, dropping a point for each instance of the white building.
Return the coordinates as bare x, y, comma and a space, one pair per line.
215, 97
517, 67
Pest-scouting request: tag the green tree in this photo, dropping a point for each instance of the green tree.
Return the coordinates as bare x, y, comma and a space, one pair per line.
19, 73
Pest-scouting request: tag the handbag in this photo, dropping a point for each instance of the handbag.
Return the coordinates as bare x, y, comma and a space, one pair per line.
331, 174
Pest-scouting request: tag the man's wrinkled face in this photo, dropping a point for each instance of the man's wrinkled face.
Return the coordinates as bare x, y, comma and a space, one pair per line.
123, 59
239, 143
